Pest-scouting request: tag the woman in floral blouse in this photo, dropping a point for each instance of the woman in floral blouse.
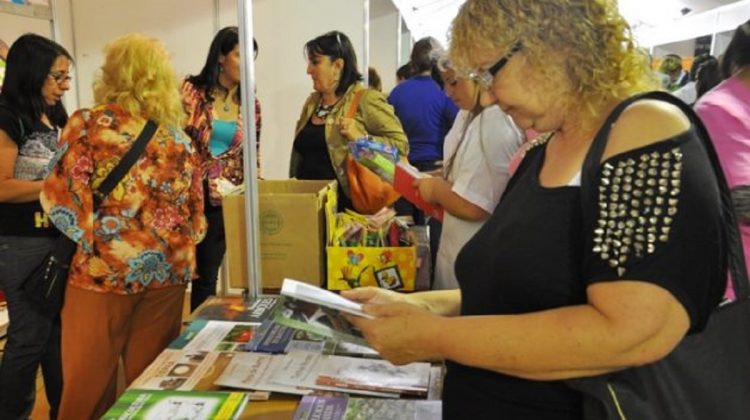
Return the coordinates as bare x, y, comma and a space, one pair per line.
136, 253
212, 100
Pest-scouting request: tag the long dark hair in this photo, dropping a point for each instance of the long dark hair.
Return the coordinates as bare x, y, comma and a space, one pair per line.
223, 43
335, 45
707, 76
30, 59
697, 63
737, 54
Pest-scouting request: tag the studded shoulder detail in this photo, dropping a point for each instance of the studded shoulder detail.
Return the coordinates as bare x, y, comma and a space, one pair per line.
637, 202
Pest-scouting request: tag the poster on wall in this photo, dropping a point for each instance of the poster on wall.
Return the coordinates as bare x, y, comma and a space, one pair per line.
28, 2
31, 8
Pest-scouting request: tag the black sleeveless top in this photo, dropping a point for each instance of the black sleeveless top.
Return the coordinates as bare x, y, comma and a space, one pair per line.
311, 145
37, 145
657, 218
504, 270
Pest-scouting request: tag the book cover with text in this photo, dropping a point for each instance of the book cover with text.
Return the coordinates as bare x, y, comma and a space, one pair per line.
136, 404
235, 308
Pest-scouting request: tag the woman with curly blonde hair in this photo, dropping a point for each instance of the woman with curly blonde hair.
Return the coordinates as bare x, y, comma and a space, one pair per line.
136, 252
591, 262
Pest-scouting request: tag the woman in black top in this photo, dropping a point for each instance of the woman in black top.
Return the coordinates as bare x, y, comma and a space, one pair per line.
559, 284
36, 77
325, 128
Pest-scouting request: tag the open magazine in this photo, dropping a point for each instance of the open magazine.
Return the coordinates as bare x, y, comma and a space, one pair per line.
318, 311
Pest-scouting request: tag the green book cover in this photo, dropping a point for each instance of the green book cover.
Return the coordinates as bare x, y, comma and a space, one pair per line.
136, 404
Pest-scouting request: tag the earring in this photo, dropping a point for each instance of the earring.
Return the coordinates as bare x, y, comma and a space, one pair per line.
221, 68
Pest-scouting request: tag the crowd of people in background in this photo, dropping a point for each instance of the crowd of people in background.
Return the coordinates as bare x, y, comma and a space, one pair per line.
460, 115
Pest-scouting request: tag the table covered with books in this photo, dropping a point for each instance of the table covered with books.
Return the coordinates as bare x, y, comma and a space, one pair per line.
278, 357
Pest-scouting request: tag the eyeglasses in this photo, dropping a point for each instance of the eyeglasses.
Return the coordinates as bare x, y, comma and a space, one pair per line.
485, 78
60, 78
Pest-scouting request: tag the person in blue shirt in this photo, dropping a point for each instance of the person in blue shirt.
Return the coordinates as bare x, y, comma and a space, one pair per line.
426, 114
425, 111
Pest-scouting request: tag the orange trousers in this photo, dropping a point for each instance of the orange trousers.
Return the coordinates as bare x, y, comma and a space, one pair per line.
100, 328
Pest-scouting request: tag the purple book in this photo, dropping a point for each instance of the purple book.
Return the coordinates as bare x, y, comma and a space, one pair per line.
313, 407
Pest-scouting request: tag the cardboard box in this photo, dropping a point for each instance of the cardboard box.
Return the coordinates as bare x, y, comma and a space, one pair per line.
292, 231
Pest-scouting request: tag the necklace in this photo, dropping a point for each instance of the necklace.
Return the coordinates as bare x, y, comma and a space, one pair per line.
223, 98
322, 111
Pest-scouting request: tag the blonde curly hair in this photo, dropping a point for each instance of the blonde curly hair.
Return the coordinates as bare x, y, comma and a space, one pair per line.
138, 76
601, 60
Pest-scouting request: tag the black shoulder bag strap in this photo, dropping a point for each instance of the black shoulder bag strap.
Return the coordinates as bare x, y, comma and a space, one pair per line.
735, 255
124, 165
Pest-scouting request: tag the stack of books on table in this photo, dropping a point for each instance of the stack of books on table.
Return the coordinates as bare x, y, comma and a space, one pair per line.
298, 343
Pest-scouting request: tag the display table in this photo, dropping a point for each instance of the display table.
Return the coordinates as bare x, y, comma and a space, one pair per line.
211, 358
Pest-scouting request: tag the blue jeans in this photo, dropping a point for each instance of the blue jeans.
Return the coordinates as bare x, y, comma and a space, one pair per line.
33, 338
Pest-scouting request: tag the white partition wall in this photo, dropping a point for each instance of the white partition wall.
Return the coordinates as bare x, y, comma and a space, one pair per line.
281, 28
185, 26
406, 43
13, 26
384, 27
16, 20
679, 35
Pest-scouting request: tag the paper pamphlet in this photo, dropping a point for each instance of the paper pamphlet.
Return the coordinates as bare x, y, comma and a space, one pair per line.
373, 375
310, 293
256, 371
300, 368
215, 335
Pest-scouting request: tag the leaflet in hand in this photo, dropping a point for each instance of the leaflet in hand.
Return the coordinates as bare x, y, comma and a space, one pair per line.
309, 293
403, 182
318, 311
